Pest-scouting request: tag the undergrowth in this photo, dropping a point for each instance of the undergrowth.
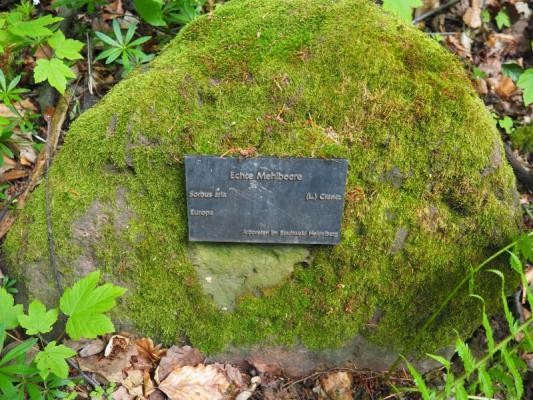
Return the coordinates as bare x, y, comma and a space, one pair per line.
498, 372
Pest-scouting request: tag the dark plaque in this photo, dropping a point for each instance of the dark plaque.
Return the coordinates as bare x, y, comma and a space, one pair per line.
265, 200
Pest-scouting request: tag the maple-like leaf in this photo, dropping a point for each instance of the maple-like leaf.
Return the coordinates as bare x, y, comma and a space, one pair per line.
54, 71
85, 304
525, 82
402, 8
52, 360
502, 19
9, 312
65, 48
38, 319
33, 28
198, 383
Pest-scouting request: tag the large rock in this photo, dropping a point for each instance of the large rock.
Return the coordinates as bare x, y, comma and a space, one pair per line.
429, 193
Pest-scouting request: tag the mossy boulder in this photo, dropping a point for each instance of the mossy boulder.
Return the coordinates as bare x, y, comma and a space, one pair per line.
428, 191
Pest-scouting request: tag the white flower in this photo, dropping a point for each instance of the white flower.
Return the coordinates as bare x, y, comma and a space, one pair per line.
36, 2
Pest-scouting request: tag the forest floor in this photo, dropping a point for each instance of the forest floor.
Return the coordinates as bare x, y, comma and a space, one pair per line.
494, 40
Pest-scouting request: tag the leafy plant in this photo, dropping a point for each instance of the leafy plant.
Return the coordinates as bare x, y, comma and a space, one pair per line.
502, 19
78, 4
163, 13
525, 82
9, 283
402, 8
123, 49
19, 30
44, 375
85, 304
507, 124
499, 371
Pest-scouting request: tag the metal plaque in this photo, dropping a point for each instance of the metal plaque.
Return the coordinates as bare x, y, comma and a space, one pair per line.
265, 200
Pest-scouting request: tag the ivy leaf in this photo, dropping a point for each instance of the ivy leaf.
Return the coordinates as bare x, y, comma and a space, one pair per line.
52, 360
65, 48
402, 8
9, 312
38, 319
151, 11
525, 82
502, 19
85, 304
54, 71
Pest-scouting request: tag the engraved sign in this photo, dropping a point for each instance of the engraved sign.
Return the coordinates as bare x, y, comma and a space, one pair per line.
265, 200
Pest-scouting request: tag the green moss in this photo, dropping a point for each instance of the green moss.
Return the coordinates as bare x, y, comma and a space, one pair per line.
309, 78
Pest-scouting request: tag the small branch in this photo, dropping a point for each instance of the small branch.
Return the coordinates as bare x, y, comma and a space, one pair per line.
437, 10
51, 145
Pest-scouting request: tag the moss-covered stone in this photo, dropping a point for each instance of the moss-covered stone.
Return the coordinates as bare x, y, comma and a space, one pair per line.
428, 194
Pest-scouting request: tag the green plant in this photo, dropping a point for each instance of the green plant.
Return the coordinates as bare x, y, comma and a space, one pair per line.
502, 19
163, 13
525, 82
42, 372
123, 49
402, 8
9, 283
499, 371
20, 31
100, 393
79, 4
507, 124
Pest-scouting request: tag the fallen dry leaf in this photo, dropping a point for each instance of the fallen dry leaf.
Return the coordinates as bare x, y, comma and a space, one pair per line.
134, 382
122, 394
112, 369
93, 347
147, 349
177, 357
337, 385
195, 383
472, 16
8, 164
505, 87
234, 375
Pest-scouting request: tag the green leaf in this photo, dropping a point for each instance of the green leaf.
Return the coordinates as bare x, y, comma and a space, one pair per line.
512, 70
486, 325
518, 382
441, 360
85, 304
54, 71
402, 8
34, 28
10, 311
485, 382
419, 381
466, 355
17, 351
506, 123
38, 319
507, 312
52, 360
525, 82
107, 39
151, 11
525, 247
65, 48
502, 19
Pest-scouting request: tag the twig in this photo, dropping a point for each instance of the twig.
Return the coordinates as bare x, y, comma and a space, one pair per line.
51, 143
90, 81
51, 245
437, 10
